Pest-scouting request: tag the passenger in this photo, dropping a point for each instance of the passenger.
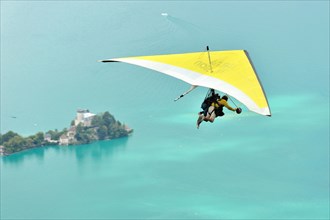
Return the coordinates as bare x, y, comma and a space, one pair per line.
215, 110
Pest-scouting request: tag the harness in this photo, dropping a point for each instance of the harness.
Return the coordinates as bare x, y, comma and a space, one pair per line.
219, 111
209, 99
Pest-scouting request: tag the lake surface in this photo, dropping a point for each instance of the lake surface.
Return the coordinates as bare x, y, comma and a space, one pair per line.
240, 167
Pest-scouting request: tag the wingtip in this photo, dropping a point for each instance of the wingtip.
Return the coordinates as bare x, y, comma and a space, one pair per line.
105, 61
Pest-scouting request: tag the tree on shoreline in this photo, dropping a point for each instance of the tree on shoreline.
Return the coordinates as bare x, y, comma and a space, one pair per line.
14, 142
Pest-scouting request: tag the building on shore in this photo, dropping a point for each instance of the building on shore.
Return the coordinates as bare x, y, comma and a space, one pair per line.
64, 140
85, 117
2, 149
128, 129
68, 137
48, 138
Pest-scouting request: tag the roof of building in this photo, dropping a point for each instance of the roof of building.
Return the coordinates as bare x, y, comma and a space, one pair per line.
88, 114
82, 110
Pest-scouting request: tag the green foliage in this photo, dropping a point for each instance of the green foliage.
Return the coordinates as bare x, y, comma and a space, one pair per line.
9, 135
16, 143
102, 132
55, 135
108, 119
106, 127
38, 138
97, 121
85, 135
13, 142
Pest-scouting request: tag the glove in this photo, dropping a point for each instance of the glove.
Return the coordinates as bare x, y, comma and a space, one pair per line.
238, 110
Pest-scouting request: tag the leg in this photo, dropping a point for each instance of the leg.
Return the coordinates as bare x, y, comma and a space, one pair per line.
200, 119
210, 115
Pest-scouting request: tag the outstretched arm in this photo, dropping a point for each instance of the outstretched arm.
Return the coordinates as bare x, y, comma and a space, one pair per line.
225, 103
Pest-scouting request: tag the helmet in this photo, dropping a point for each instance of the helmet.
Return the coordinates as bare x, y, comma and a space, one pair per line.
238, 110
225, 97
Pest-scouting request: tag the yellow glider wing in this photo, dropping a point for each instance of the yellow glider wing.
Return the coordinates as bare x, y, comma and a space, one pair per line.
231, 72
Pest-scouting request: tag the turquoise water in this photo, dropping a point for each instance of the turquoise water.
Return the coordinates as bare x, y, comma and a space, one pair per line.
241, 167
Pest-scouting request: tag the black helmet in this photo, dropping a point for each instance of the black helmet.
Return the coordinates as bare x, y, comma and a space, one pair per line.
238, 110
225, 97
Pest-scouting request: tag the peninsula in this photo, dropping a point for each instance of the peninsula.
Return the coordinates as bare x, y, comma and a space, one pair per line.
87, 127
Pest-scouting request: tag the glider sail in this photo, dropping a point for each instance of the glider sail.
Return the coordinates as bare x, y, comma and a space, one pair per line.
231, 72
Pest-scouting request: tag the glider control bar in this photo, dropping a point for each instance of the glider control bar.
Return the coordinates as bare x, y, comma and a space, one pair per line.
185, 93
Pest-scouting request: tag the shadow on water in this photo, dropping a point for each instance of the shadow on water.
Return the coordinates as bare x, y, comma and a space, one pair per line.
17, 159
99, 150
95, 151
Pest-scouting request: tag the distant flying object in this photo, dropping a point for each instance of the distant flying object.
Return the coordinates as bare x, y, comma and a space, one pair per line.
230, 72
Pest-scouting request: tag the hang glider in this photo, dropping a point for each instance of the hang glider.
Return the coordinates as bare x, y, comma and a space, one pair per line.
231, 72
